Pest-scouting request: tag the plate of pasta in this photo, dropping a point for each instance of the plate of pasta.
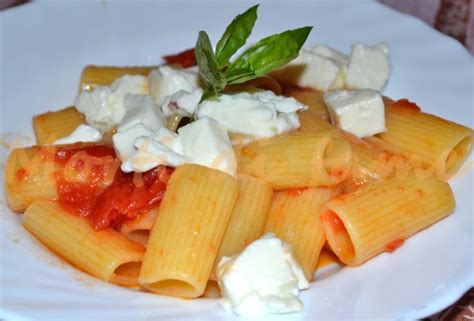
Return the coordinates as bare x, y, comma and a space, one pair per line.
212, 166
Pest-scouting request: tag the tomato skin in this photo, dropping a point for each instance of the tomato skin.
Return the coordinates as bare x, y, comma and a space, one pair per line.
185, 58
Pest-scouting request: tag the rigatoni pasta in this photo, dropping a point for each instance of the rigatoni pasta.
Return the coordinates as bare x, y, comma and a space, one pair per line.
248, 217
54, 125
187, 233
297, 160
138, 230
33, 173
437, 143
311, 98
29, 176
358, 226
294, 218
105, 254
93, 76
150, 206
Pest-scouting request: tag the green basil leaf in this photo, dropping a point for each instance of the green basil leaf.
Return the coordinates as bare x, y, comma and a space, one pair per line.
213, 78
266, 55
235, 36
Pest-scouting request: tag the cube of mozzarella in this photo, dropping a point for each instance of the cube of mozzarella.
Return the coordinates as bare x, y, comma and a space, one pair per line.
358, 112
369, 67
310, 69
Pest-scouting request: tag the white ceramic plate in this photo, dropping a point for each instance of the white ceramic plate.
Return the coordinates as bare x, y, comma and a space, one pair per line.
45, 45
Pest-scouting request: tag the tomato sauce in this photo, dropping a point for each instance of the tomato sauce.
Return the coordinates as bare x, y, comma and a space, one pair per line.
185, 59
405, 103
294, 191
21, 174
395, 244
110, 204
337, 226
63, 155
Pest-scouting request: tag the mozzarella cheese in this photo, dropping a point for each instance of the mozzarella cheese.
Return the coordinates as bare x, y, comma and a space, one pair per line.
166, 81
256, 115
321, 68
141, 109
358, 112
206, 142
182, 102
202, 142
140, 149
264, 278
339, 59
103, 107
369, 67
82, 133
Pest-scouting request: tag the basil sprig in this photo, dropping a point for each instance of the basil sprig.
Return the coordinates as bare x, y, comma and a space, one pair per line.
259, 59
235, 36
213, 77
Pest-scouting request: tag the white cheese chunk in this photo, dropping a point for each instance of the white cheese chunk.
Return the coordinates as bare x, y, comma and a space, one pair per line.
141, 109
182, 102
83, 133
202, 142
103, 106
206, 142
312, 69
358, 112
264, 278
339, 59
369, 67
256, 115
166, 81
140, 149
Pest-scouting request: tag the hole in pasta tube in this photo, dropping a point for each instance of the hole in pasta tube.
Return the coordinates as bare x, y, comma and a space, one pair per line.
457, 156
127, 274
174, 287
337, 236
140, 236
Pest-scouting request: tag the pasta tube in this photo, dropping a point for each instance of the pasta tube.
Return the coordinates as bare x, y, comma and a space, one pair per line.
372, 164
184, 241
310, 97
248, 217
364, 223
436, 143
105, 254
93, 76
51, 126
294, 218
297, 160
139, 229
29, 176
33, 173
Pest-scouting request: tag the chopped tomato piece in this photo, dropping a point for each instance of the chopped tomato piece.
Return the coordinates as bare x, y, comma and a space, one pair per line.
184, 59
106, 202
395, 244
126, 198
405, 103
